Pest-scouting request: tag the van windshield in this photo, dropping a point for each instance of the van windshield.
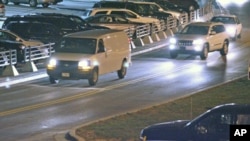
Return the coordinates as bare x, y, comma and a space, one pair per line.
77, 45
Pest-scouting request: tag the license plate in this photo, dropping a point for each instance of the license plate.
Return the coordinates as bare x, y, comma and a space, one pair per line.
65, 74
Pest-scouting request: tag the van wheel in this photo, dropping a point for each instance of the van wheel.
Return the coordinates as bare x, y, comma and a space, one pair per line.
53, 80
93, 77
224, 49
123, 71
204, 52
33, 3
173, 54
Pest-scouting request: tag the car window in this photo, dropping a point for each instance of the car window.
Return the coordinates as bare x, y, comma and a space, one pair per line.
243, 119
215, 122
126, 14
7, 36
218, 28
225, 20
101, 12
77, 45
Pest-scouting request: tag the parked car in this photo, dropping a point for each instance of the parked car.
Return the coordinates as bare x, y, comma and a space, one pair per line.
213, 125
187, 5
88, 54
232, 24
166, 5
145, 9
200, 38
52, 26
130, 15
12, 41
2, 9
44, 32
113, 22
33, 3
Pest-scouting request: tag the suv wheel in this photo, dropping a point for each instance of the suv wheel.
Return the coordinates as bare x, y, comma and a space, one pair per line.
173, 54
33, 3
204, 52
235, 36
93, 77
224, 49
53, 80
123, 71
45, 5
5, 1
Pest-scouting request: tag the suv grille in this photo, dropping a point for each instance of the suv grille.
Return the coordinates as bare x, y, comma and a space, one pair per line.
185, 43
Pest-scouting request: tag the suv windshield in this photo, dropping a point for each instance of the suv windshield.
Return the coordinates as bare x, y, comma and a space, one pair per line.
225, 20
195, 29
77, 45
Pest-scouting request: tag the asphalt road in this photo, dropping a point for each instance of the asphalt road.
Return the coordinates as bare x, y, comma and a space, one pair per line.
37, 110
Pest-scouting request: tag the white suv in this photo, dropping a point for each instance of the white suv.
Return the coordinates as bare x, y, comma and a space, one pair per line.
200, 38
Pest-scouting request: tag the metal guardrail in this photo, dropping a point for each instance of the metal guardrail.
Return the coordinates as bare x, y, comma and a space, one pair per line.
38, 52
33, 53
8, 58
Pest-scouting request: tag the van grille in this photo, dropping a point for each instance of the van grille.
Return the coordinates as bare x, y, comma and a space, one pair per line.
68, 65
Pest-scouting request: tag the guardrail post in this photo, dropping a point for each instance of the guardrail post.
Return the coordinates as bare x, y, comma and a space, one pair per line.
10, 70
29, 66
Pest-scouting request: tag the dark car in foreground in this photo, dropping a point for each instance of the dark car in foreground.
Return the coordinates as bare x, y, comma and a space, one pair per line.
33, 3
213, 125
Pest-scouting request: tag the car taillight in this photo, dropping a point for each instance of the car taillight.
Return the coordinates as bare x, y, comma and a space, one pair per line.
1, 6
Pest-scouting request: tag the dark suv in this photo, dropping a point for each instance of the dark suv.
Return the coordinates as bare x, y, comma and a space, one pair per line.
146, 9
187, 5
47, 27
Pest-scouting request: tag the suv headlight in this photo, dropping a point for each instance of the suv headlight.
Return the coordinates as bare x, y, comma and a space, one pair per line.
230, 30
84, 65
172, 41
198, 44
52, 63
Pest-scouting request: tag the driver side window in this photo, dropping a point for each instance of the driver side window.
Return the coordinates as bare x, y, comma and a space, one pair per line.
215, 123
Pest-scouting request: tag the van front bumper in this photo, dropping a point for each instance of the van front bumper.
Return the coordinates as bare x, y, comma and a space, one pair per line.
71, 75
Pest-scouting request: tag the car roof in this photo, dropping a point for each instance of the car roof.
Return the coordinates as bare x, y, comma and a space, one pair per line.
98, 33
204, 23
113, 9
225, 15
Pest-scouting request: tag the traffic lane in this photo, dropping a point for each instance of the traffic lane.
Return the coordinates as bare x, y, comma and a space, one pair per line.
152, 79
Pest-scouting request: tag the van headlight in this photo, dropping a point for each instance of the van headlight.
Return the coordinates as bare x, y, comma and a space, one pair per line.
52, 63
84, 65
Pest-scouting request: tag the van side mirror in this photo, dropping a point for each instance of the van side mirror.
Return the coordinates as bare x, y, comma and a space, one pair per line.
212, 33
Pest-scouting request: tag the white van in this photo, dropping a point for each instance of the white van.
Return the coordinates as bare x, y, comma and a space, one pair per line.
88, 54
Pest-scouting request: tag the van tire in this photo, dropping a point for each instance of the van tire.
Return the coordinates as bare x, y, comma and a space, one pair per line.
93, 77
123, 71
53, 80
33, 3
